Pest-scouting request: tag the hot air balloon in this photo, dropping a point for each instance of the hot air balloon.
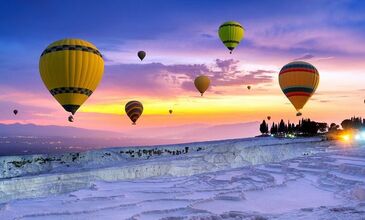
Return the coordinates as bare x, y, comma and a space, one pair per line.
170, 111
134, 110
15, 112
202, 83
248, 87
231, 33
141, 54
298, 80
71, 69
70, 118
268, 118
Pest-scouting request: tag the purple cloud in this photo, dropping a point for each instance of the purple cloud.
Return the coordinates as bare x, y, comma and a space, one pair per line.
159, 79
305, 57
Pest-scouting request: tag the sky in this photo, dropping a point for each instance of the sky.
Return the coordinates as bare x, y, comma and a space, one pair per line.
181, 41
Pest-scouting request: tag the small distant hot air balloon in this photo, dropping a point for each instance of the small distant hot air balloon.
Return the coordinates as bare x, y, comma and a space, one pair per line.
299, 114
134, 110
15, 112
268, 118
248, 87
141, 54
231, 33
298, 80
71, 69
170, 111
202, 83
70, 118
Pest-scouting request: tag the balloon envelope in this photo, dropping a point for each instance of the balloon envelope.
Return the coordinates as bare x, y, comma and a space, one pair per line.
248, 87
134, 110
202, 83
231, 34
71, 69
170, 111
141, 54
298, 81
268, 117
15, 111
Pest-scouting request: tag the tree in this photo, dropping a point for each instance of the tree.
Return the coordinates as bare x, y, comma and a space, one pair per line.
333, 127
274, 128
264, 128
322, 127
308, 127
281, 128
346, 124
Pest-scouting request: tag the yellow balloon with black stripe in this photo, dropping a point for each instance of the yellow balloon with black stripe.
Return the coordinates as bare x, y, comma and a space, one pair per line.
71, 69
231, 34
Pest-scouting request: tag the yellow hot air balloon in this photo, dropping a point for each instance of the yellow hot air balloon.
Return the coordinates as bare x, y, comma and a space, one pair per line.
231, 33
202, 83
71, 69
298, 80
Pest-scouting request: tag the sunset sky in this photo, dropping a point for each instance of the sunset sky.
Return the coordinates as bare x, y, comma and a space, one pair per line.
181, 41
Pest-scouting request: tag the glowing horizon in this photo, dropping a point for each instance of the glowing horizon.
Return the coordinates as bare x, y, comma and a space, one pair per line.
181, 46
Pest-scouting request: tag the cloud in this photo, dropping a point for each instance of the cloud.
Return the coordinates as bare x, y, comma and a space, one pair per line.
305, 57
207, 36
157, 79
227, 73
325, 101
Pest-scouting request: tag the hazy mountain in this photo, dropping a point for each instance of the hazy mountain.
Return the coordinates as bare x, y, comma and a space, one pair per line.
31, 138
53, 131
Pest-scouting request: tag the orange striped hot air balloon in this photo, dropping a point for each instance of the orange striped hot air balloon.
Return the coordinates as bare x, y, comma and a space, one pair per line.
298, 80
134, 110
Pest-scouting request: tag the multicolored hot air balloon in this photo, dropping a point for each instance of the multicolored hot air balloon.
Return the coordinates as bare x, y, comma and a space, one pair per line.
298, 80
134, 110
141, 54
71, 69
170, 111
202, 83
15, 112
231, 33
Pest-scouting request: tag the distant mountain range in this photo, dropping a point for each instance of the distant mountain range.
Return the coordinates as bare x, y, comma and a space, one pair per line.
53, 131
35, 138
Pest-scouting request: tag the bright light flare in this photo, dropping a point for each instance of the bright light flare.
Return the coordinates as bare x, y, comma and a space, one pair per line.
345, 137
358, 137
